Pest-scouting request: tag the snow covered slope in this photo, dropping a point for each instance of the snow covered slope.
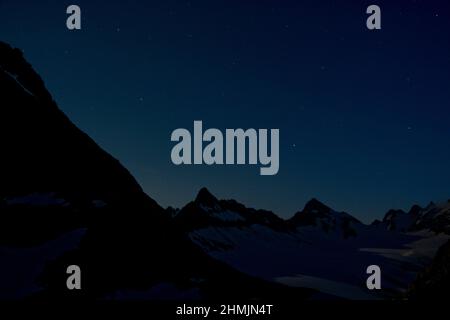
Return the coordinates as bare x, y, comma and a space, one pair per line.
316, 247
434, 217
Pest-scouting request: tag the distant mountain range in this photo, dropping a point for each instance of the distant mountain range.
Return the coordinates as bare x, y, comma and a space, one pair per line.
433, 217
64, 200
318, 247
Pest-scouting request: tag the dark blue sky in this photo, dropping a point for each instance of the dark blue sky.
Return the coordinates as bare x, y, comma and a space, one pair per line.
363, 115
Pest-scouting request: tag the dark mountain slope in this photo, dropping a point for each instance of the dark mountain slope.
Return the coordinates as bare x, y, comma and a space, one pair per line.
55, 179
44, 155
434, 282
51, 153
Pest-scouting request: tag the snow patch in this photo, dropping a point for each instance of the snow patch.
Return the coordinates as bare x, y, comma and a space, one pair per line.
37, 199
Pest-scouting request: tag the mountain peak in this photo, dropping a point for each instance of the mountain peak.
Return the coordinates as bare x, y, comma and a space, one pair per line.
315, 213
430, 205
415, 209
315, 206
393, 214
64, 159
205, 197
312, 210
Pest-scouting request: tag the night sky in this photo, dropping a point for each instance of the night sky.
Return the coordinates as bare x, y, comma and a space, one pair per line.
364, 116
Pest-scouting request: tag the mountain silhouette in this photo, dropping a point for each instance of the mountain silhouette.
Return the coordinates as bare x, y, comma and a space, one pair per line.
206, 198
64, 201
58, 185
315, 246
316, 213
45, 151
434, 217
206, 210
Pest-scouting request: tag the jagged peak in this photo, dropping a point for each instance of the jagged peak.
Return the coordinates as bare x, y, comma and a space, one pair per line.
415, 209
315, 206
205, 197
430, 205
392, 213
312, 209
